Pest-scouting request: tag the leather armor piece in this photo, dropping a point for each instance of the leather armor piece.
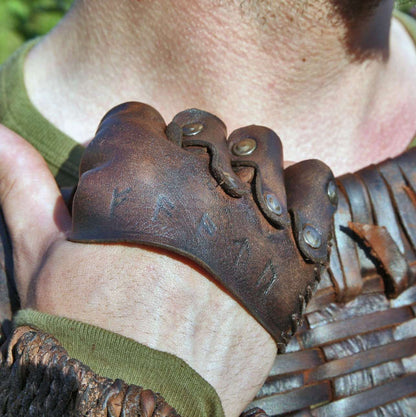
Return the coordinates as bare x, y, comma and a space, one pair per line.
356, 351
331, 358
37, 377
184, 188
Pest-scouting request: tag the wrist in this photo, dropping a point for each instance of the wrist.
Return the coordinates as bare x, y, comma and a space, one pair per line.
166, 304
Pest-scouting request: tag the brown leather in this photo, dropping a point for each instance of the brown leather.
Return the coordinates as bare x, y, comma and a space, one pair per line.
37, 377
375, 229
179, 188
355, 355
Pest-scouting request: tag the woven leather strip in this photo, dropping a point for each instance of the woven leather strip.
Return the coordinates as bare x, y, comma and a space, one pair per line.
359, 356
37, 377
355, 355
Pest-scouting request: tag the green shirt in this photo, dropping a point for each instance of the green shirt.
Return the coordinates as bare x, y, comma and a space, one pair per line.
106, 353
62, 153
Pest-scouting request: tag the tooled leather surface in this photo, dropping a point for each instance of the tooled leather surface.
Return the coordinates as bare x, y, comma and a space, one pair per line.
37, 377
138, 185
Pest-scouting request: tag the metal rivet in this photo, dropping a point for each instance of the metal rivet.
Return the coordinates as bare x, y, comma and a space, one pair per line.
244, 147
273, 204
312, 237
332, 192
192, 129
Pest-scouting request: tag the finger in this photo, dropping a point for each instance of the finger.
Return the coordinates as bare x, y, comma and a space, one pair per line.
260, 148
33, 208
311, 199
126, 124
198, 128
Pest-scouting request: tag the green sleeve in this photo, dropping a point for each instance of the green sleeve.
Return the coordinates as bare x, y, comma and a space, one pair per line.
114, 356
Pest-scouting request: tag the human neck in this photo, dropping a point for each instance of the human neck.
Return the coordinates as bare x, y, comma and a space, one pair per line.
280, 67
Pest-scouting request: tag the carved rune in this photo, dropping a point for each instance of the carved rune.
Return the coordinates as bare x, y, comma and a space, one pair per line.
207, 225
267, 278
244, 251
118, 198
163, 205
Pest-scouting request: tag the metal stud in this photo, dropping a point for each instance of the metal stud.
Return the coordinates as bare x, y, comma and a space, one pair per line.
244, 147
332, 192
273, 204
312, 237
192, 129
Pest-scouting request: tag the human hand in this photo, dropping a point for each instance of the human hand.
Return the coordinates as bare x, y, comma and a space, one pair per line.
153, 297
157, 298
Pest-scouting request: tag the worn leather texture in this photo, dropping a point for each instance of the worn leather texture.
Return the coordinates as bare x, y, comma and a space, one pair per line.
355, 354
37, 377
178, 187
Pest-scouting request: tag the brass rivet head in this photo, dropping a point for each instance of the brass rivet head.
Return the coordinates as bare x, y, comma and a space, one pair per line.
332, 192
273, 204
312, 237
192, 129
244, 147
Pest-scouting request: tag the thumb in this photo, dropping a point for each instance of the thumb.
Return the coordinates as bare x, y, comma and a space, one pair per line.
32, 205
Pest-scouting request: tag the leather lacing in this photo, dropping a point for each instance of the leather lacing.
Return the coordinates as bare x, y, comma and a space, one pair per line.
37, 377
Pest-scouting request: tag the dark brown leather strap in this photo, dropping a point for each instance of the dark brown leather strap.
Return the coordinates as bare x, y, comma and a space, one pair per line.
37, 377
185, 188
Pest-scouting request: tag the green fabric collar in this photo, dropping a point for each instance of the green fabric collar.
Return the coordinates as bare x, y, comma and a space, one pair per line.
18, 113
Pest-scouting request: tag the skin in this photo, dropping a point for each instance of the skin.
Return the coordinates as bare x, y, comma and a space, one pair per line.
272, 62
